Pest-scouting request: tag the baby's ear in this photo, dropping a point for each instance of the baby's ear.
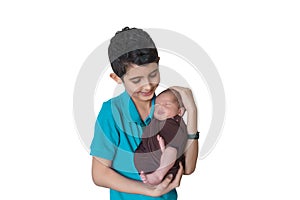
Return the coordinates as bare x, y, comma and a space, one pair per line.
181, 111
116, 78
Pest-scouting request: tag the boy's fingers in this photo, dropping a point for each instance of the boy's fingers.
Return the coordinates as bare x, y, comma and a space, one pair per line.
165, 183
178, 176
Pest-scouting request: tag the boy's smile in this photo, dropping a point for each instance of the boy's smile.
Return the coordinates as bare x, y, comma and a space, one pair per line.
141, 81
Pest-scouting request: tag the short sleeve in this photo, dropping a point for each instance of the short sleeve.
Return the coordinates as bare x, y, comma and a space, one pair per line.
106, 135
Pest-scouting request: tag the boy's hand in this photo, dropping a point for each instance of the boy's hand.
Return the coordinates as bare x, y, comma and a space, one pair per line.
187, 97
190, 106
166, 185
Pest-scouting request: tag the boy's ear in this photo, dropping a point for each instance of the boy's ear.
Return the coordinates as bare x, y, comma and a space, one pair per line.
116, 78
181, 111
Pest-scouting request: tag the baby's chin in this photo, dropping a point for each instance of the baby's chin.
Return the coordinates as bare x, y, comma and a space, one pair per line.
161, 117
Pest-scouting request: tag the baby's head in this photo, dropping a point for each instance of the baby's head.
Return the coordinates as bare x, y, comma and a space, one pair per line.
168, 104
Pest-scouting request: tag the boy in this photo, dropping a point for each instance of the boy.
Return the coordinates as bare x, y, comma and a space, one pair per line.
121, 120
163, 140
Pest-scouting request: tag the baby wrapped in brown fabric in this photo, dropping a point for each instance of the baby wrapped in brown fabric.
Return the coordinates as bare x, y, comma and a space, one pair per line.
163, 140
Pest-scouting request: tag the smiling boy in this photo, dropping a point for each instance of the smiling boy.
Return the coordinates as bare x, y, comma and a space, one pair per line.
121, 120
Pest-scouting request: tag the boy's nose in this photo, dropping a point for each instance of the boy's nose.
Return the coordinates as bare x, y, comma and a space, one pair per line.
147, 87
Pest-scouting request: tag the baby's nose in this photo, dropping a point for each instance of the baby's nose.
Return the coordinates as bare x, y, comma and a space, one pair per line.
160, 111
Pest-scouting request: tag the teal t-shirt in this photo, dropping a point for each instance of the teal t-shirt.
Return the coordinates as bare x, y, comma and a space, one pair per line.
118, 131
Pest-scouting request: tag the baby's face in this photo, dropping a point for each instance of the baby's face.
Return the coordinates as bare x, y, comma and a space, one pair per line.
166, 106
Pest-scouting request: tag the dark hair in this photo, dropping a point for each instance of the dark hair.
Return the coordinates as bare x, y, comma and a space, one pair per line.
138, 56
125, 29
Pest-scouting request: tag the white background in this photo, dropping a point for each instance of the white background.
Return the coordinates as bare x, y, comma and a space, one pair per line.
255, 46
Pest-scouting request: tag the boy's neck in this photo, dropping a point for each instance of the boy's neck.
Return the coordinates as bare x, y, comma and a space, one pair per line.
143, 108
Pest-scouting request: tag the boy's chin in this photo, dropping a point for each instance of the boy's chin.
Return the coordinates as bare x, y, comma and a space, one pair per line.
146, 98
139, 97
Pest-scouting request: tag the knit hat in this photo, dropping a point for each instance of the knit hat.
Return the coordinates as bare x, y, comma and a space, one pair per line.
128, 40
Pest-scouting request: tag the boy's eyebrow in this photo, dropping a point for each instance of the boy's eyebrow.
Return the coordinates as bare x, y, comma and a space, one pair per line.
136, 77
154, 71
142, 76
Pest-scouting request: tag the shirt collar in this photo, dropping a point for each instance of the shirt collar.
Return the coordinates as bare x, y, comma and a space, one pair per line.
131, 112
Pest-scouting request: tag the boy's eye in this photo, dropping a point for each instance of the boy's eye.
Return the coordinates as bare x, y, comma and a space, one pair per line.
152, 75
136, 80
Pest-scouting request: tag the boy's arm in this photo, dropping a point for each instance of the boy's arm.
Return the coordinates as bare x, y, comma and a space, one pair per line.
104, 176
191, 151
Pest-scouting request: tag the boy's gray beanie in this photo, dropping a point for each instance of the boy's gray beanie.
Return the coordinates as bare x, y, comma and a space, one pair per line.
128, 40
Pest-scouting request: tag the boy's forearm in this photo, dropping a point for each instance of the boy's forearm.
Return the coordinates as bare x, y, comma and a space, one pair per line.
191, 155
191, 152
192, 121
104, 176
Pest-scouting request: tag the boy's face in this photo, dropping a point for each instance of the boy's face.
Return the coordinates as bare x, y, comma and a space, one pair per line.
141, 81
166, 106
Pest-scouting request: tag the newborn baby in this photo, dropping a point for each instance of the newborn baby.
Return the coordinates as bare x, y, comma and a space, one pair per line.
163, 141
